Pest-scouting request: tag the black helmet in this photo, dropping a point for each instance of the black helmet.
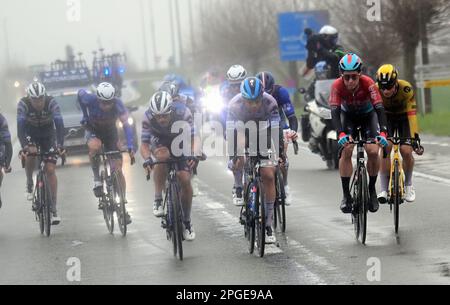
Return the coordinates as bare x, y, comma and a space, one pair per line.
267, 80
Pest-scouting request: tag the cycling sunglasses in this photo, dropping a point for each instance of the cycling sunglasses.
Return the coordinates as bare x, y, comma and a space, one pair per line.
347, 77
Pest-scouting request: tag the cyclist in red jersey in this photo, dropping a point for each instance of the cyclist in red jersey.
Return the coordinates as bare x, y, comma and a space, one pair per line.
356, 102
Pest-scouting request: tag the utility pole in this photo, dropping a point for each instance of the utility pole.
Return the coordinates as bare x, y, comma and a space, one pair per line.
144, 36
191, 25
172, 32
7, 50
180, 41
424, 60
153, 35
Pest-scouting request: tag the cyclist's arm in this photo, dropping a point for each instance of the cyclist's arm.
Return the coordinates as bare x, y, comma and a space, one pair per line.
335, 105
411, 109
21, 124
288, 108
58, 121
123, 117
377, 103
146, 136
84, 102
276, 131
9, 153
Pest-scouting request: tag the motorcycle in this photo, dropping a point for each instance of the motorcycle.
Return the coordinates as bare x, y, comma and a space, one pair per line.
317, 126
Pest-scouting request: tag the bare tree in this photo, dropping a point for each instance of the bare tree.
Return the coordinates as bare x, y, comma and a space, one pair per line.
404, 24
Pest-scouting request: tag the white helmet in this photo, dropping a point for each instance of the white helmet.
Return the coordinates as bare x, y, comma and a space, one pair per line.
106, 92
36, 90
328, 30
236, 73
161, 103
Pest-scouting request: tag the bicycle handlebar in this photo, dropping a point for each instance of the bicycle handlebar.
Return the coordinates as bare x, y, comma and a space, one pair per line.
356, 142
152, 163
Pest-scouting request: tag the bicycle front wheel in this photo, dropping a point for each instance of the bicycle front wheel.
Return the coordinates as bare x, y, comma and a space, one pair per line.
119, 203
397, 196
260, 219
177, 233
47, 204
38, 201
363, 203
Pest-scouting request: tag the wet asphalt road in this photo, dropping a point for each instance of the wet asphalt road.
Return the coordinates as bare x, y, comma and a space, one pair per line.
318, 248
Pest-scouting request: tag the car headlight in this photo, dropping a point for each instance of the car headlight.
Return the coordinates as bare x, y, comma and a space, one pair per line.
213, 103
130, 121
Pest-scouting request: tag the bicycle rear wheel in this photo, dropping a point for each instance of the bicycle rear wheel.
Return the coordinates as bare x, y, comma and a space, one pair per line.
279, 216
397, 196
47, 204
119, 203
363, 204
177, 235
260, 219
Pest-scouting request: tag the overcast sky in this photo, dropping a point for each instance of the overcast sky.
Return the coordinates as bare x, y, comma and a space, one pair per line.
38, 31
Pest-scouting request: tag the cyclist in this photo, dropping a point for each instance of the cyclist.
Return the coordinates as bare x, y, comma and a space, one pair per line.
157, 140
286, 109
228, 90
401, 110
173, 88
100, 113
6, 150
325, 47
254, 105
39, 123
356, 102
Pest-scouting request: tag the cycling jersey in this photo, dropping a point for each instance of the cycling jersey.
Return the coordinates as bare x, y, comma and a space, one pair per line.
285, 107
101, 121
156, 135
39, 124
5, 143
361, 102
401, 110
267, 116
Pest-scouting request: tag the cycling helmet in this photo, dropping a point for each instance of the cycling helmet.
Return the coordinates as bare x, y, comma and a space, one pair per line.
160, 103
36, 90
267, 80
252, 88
171, 87
387, 76
350, 62
106, 92
236, 73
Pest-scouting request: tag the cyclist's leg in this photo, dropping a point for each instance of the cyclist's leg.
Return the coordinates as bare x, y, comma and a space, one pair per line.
385, 164
373, 161
2, 161
268, 179
285, 168
30, 165
161, 154
406, 150
47, 145
408, 163
345, 163
94, 145
184, 178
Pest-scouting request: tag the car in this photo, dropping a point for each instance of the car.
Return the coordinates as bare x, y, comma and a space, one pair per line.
67, 99
75, 134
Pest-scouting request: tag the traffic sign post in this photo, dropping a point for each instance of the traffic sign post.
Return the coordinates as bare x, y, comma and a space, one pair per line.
292, 38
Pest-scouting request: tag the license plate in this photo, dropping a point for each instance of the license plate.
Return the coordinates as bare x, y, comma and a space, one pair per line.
75, 142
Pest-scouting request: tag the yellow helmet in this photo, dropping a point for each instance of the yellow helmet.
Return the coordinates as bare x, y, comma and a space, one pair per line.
387, 76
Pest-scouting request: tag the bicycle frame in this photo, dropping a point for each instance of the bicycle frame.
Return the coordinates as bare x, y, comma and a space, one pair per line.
396, 159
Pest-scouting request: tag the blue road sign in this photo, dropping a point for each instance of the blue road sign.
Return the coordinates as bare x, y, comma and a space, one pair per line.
292, 38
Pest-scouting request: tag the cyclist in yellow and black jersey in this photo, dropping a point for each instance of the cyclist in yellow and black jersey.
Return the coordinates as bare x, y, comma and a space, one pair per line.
401, 110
